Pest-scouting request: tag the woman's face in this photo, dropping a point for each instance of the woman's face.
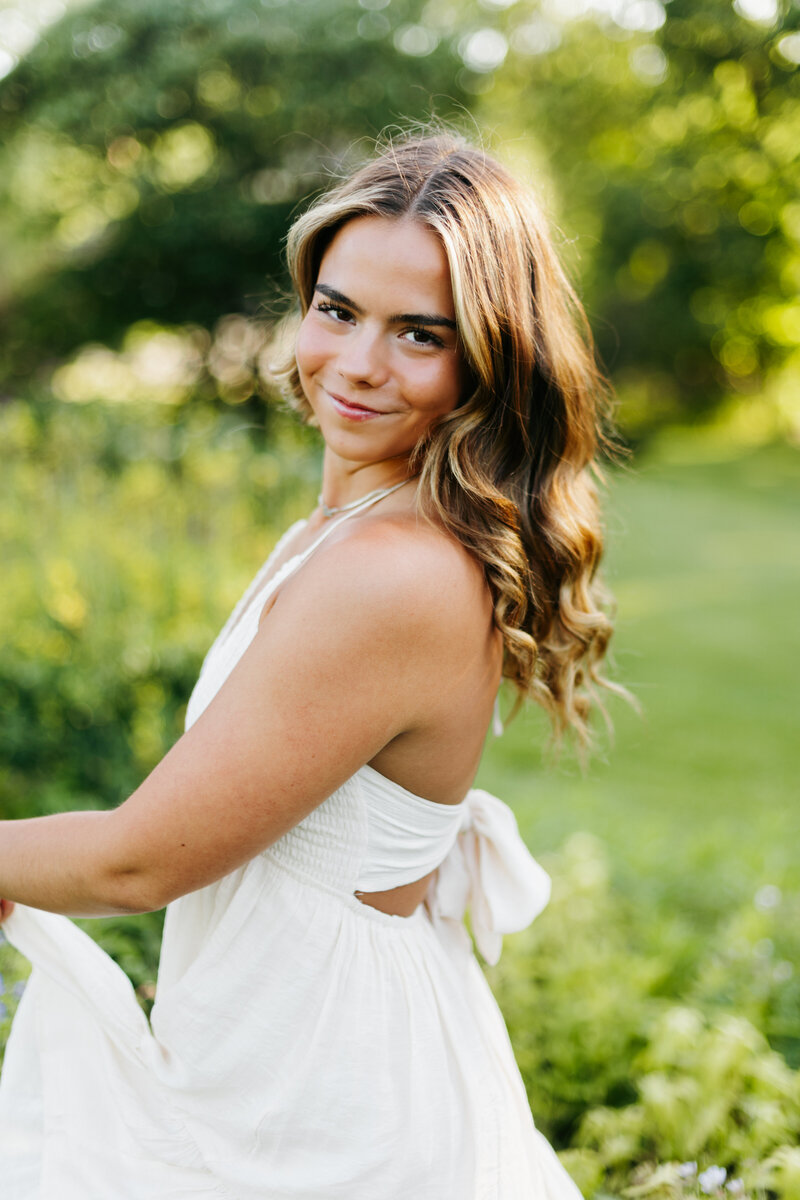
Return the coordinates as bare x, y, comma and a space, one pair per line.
377, 352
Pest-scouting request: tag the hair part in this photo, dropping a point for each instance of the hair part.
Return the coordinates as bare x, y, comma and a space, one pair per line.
512, 472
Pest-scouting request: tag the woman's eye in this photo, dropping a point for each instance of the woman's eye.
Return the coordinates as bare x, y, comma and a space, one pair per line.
422, 337
340, 314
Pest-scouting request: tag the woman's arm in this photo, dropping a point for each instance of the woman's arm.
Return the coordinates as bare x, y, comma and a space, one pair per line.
340, 667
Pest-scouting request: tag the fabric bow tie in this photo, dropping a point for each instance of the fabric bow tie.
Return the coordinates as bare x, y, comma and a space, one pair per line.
491, 872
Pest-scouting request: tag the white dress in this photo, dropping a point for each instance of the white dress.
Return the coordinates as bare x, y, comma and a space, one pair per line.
302, 1045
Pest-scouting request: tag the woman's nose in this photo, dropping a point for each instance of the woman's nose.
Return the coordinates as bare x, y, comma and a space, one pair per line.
362, 358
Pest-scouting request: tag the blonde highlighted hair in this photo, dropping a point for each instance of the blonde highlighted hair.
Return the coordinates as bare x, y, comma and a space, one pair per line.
511, 471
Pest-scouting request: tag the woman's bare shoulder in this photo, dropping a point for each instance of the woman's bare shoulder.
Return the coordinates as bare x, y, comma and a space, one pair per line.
405, 565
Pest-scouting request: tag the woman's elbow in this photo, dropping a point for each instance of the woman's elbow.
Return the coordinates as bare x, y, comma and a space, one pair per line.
130, 892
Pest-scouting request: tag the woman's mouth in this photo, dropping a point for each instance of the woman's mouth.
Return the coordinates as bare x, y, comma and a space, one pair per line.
353, 411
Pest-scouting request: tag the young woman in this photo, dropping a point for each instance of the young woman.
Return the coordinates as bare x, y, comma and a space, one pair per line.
321, 1027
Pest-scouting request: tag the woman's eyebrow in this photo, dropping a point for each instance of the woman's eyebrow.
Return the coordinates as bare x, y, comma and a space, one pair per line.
397, 319
422, 319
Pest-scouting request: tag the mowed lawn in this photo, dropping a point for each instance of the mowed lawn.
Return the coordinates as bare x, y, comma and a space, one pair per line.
698, 800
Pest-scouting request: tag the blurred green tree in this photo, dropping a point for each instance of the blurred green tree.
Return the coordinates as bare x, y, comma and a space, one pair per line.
153, 153
672, 132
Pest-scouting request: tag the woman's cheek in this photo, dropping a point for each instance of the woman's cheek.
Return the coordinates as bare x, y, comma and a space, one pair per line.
437, 391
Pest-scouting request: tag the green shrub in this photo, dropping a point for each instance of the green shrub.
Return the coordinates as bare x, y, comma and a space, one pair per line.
626, 1072
121, 562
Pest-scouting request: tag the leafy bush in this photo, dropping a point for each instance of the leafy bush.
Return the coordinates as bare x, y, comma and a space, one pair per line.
105, 621
633, 1075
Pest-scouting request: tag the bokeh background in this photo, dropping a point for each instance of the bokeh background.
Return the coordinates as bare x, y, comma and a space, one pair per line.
152, 155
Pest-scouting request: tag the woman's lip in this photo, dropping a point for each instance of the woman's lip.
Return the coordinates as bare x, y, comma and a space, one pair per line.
356, 412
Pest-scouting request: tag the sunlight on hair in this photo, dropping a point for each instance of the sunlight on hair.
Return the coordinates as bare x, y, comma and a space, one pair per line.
512, 472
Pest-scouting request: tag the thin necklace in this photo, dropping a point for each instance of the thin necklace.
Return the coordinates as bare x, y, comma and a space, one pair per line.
378, 494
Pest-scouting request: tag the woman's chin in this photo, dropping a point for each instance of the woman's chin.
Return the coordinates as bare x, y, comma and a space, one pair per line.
360, 445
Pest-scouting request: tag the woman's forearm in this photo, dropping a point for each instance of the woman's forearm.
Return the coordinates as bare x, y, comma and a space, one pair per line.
65, 863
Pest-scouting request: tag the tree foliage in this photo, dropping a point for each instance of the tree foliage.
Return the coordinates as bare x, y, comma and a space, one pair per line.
674, 143
153, 154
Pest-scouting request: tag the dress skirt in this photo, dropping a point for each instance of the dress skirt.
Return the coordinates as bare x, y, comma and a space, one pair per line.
302, 1046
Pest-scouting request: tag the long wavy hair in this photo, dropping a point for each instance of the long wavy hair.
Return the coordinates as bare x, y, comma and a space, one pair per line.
512, 471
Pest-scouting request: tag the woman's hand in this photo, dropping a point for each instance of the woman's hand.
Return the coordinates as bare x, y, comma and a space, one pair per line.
6, 908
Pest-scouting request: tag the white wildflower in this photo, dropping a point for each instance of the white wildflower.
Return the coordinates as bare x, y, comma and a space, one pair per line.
687, 1170
711, 1179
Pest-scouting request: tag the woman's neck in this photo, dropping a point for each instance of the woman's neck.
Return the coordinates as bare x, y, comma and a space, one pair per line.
344, 483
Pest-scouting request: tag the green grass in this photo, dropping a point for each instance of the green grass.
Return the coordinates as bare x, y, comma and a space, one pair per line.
697, 800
